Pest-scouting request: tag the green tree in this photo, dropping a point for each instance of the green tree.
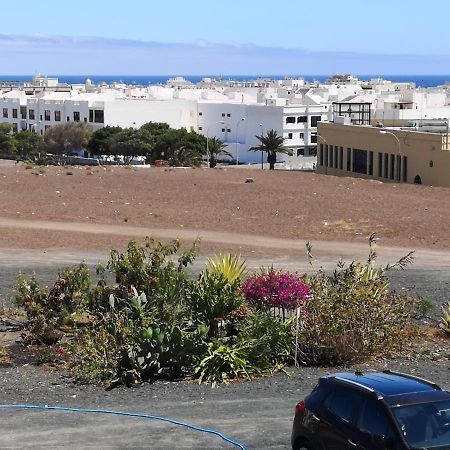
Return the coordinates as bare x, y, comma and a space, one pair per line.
28, 145
131, 143
66, 137
6, 139
272, 144
156, 128
216, 148
179, 148
100, 142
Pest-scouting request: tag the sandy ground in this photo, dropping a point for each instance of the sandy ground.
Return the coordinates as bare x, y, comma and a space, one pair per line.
278, 204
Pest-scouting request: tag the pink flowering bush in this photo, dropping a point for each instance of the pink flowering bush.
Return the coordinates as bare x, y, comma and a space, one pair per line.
276, 290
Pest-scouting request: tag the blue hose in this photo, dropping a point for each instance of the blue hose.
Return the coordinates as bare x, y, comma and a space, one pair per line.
129, 414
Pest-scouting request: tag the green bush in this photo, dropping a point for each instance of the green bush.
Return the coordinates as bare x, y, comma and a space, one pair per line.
268, 341
223, 361
352, 314
49, 310
213, 300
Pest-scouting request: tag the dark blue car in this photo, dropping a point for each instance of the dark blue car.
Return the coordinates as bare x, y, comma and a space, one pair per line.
373, 411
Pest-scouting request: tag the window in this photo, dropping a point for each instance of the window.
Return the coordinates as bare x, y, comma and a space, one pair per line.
314, 120
392, 168
99, 116
228, 115
341, 403
223, 114
23, 112
370, 163
405, 169
300, 152
200, 128
373, 420
386, 165
331, 164
14, 127
47, 127
349, 159
47, 115
380, 165
398, 172
76, 116
57, 116
91, 115
290, 119
68, 118
359, 161
321, 155
325, 156
341, 158
5, 113
313, 138
302, 135
302, 119
289, 135
223, 130
200, 113
14, 111
85, 119
228, 130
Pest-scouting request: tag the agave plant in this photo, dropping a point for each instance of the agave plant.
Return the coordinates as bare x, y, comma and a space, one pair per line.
445, 321
230, 266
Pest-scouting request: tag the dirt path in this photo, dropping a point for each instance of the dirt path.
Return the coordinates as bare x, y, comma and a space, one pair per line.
324, 251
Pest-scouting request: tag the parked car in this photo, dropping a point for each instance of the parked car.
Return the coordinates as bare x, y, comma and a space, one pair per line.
373, 411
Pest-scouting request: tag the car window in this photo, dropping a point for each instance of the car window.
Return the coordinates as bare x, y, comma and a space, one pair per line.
341, 402
372, 418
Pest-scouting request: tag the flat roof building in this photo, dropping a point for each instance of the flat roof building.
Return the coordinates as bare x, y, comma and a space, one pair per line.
385, 154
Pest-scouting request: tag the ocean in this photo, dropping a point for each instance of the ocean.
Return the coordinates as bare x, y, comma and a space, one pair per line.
145, 80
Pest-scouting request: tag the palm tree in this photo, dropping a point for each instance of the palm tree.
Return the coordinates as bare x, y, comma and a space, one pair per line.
216, 148
272, 144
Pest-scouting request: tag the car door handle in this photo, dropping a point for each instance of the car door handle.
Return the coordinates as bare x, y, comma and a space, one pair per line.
351, 443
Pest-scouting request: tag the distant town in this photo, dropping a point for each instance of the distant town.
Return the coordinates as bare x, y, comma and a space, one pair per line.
381, 129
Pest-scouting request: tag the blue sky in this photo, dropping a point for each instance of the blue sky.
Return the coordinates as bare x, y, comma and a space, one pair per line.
230, 37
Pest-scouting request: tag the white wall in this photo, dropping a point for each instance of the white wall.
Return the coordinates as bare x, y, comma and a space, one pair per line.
134, 113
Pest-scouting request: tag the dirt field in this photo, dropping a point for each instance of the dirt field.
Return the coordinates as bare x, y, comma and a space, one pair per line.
292, 205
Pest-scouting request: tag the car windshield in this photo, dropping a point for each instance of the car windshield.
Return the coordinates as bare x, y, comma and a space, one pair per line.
425, 425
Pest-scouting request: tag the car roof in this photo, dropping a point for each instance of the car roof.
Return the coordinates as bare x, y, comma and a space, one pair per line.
384, 384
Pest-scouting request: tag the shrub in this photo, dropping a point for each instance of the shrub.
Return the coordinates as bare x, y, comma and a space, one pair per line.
213, 300
275, 290
352, 314
445, 321
230, 266
223, 362
48, 310
268, 342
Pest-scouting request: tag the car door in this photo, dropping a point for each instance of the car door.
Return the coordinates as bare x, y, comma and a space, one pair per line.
374, 427
335, 429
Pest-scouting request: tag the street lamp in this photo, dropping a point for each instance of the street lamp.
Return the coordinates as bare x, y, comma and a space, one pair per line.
237, 148
207, 142
262, 151
395, 136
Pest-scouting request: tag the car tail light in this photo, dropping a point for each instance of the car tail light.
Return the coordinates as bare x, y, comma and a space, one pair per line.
300, 407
